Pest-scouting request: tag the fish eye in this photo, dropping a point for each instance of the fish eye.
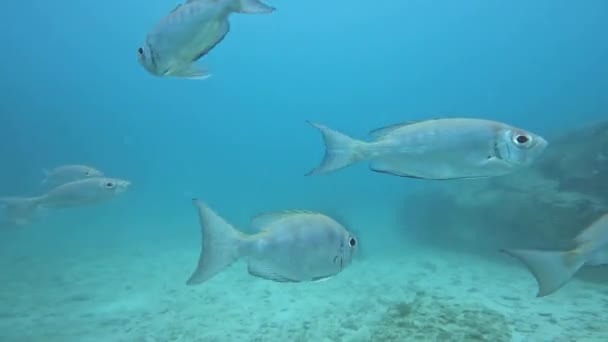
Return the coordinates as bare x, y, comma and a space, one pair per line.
522, 139
87, 173
109, 185
140, 51
352, 242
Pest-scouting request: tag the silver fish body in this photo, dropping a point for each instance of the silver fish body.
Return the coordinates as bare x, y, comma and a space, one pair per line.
188, 33
435, 149
83, 192
19, 211
67, 173
552, 269
293, 247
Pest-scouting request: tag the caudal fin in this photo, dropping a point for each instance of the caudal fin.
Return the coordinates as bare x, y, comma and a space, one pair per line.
253, 7
552, 269
221, 245
46, 174
340, 150
19, 210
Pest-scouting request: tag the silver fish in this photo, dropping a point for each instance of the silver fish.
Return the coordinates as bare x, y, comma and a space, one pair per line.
84, 192
553, 269
291, 247
188, 33
437, 149
68, 173
18, 211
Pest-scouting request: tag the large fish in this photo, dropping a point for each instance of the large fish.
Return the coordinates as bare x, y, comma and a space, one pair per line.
448, 148
188, 33
291, 246
553, 269
67, 173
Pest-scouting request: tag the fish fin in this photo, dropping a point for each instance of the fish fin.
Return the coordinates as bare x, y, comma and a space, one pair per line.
391, 167
221, 245
222, 32
496, 163
178, 6
253, 7
191, 71
21, 212
552, 269
262, 221
596, 233
321, 279
395, 168
340, 150
46, 174
266, 271
384, 131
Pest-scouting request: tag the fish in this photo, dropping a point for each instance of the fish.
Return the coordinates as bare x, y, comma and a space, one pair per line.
67, 173
553, 269
290, 247
18, 211
83, 192
435, 149
190, 32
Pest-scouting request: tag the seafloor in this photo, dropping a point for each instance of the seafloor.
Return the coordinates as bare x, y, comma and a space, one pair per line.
138, 294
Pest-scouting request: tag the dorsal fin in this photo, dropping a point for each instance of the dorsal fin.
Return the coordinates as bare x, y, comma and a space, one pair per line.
594, 234
262, 221
384, 131
175, 9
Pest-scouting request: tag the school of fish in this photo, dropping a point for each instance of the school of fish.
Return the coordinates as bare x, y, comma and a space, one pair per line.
298, 245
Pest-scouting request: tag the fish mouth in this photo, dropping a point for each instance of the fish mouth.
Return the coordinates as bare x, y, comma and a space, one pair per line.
124, 185
543, 143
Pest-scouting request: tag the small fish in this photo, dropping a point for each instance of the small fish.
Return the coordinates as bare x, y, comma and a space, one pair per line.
190, 32
553, 269
68, 173
18, 211
438, 149
291, 246
83, 192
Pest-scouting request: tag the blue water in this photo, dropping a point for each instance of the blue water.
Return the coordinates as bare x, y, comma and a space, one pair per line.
73, 92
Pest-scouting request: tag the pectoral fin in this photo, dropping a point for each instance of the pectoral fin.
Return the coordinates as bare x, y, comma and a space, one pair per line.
191, 72
267, 271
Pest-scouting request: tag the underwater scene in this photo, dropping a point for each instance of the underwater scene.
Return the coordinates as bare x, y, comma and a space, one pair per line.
306, 171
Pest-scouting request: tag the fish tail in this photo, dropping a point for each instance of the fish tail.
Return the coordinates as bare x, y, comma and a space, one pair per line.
253, 7
21, 214
46, 174
340, 150
552, 269
221, 245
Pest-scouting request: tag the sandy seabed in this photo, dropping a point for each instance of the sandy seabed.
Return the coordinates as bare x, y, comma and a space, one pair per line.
419, 295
